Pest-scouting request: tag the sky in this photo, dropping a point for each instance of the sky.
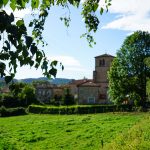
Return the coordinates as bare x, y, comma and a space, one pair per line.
65, 45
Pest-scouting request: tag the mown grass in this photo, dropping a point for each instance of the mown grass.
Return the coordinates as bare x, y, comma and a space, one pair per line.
137, 137
67, 132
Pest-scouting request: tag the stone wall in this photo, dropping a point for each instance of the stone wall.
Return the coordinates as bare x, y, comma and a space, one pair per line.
85, 93
101, 69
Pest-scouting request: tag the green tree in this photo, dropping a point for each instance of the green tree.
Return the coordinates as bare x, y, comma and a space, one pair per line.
147, 62
16, 88
27, 95
20, 47
128, 74
68, 98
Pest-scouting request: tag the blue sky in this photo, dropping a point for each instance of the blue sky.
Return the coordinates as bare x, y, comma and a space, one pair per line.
65, 45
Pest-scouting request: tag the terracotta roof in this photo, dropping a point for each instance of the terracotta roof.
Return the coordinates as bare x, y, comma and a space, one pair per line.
104, 55
78, 82
89, 84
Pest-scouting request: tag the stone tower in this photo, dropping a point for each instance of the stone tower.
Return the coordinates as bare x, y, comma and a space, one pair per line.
102, 66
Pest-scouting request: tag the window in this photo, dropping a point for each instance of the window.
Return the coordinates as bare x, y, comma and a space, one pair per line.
39, 92
102, 62
91, 100
48, 93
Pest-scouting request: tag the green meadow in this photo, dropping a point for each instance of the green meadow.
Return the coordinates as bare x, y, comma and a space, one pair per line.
76, 132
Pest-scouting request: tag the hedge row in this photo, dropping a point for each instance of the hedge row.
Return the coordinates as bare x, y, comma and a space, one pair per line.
6, 112
79, 109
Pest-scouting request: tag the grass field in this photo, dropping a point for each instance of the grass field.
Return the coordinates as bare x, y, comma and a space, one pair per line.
75, 132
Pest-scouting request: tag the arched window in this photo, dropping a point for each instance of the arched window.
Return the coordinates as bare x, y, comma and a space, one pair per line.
102, 62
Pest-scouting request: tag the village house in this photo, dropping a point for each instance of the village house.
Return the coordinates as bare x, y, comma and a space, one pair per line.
5, 90
46, 92
88, 93
73, 86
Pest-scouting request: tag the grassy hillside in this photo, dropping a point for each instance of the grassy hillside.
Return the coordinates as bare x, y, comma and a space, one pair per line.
66, 132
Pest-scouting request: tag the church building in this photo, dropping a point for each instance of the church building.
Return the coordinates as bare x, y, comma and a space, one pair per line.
95, 92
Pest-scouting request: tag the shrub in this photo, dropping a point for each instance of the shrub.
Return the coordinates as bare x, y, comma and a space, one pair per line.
10, 101
5, 112
77, 109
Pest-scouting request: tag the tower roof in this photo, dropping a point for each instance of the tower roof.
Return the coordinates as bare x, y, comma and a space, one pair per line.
104, 55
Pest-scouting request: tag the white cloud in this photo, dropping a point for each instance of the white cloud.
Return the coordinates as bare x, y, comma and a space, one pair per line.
68, 61
72, 69
131, 15
19, 13
22, 13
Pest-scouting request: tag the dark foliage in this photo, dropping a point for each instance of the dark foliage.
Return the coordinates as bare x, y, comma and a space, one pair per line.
6, 112
68, 98
20, 95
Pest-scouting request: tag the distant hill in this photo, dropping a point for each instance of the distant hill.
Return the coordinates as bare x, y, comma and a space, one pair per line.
57, 81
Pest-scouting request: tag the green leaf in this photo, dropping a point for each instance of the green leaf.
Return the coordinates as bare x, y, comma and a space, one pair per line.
47, 2
31, 24
62, 67
31, 63
1, 4
101, 10
33, 49
2, 66
54, 63
8, 79
95, 6
8, 45
5, 2
11, 18
13, 5
29, 41
71, 2
19, 23
109, 4
53, 72
34, 4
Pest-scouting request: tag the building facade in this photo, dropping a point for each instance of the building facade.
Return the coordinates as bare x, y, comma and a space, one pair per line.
45, 92
88, 93
95, 92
